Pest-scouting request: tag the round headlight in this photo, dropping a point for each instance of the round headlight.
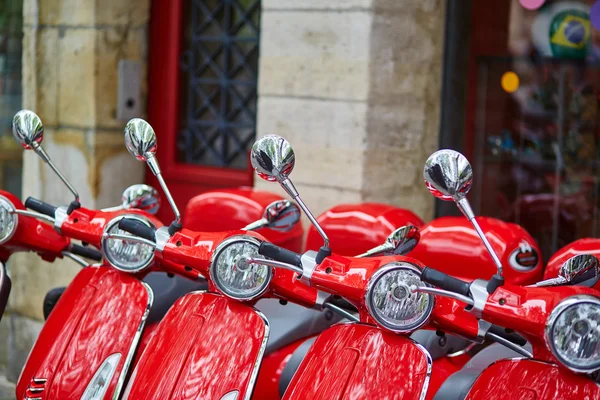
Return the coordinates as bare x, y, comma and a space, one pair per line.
391, 302
122, 254
573, 333
8, 220
239, 280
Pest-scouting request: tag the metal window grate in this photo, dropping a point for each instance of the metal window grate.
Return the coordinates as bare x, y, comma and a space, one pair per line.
220, 72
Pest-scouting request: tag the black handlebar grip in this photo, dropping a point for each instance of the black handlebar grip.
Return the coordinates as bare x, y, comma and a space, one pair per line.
137, 228
280, 254
40, 206
87, 252
445, 281
511, 337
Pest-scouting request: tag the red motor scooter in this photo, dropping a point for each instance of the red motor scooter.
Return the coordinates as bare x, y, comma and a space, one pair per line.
105, 309
341, 358
21, 231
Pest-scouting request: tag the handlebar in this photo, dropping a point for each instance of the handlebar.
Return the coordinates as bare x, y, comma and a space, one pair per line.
279, 253
137, 228
40, 206
445, 281
86, 252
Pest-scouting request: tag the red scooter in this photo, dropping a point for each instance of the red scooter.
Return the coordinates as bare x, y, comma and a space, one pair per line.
566, 317
116, 286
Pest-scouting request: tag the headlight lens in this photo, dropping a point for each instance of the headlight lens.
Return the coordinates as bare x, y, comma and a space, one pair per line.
240, 281
8, 221
124, 255
391, 302
573, 333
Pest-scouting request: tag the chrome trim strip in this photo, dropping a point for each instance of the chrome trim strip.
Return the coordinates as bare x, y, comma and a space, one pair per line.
106, 235
34, 389
15, 219
429, 368
259, 358
32, 398
39, 381
134, 344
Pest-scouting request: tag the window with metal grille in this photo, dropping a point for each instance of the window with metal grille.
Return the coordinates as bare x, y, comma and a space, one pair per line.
219, 72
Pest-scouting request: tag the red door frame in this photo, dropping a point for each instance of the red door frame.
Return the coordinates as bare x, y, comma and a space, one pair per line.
184, 180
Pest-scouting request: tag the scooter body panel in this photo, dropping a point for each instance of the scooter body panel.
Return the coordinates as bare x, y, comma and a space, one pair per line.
451, 245
356, 228
5, 286
231, 209
206, 347
356, 361
100, 314
528, 379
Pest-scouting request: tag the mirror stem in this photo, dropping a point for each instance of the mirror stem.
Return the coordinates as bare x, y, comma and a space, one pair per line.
155, 168
465, 208
382, 248
44, 156
325, 250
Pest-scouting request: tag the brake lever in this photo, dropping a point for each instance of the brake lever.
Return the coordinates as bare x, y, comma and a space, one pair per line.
441, 292
33, 214
75, 258
130, 238
272, 263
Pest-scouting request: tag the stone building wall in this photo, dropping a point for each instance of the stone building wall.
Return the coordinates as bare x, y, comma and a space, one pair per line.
71, 50
354, 85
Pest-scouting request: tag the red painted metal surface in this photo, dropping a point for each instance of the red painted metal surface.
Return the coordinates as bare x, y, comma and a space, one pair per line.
581, 246
526, 310
86, 326
451, 245
531, 380
184, 180
88, 225
33, 235
206, 346
442, 369
354, 361
355, 228
267, 384
229, 209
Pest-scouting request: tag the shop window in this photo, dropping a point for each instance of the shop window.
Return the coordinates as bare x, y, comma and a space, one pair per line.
219, 76
521, 100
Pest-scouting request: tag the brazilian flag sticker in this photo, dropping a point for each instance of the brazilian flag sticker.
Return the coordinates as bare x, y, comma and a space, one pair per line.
570, 33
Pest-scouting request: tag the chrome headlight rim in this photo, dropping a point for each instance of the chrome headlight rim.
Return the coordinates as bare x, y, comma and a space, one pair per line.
548, 334
103, 243
214, 276
397, 265
8, 205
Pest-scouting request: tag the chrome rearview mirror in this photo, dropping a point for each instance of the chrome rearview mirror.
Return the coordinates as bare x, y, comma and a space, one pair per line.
273, 160
581, 270
281, 215
28, 131
140, 141
400, 242
139, 196
449, 176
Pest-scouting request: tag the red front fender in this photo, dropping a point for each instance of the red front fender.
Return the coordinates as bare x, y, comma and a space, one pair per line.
101, 313
355, 361
528, 379
206, 347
